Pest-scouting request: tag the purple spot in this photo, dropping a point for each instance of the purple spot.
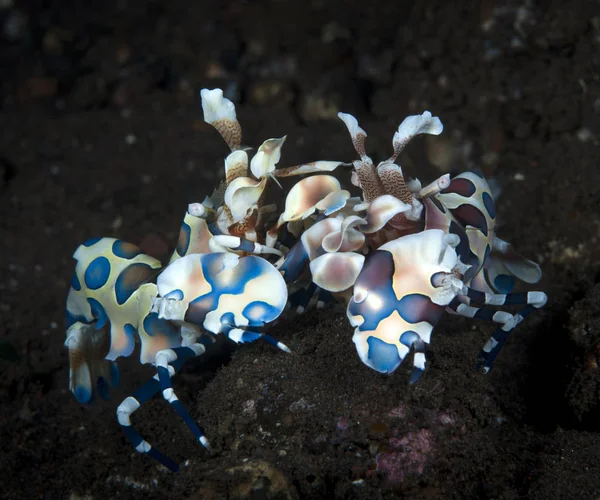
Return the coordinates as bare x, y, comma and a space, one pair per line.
408, 456
156, 326
461, 186
130, 279
439, 205
184, 239
468, 215
415, 308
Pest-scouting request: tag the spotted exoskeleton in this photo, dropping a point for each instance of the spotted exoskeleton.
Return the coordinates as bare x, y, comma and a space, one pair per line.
214, 283
407, 253
113, 285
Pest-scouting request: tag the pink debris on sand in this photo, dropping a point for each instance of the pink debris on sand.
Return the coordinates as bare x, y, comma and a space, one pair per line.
408, 456
342, 424
398, 412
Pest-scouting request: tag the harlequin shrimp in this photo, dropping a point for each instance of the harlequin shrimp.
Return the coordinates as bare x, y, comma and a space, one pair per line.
216, 292
407, 253
214, 283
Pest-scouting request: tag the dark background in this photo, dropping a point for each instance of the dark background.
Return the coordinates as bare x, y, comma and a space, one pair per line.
102, 135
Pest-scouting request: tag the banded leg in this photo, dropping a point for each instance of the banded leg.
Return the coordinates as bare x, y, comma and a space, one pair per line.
418, 361
301, 297
243, 245
247, 334
531, 300
131, 404
294, 264
414, 341
309, 295
325, 297
166, 360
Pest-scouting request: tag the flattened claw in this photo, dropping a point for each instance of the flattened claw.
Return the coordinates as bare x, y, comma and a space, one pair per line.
311, 194
336, 272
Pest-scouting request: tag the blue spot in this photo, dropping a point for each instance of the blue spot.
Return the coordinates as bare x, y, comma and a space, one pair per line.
504, 283
71, 319
384, 357
90, 242
176, 294
250, 336
115, 376
487, 253
407, 338
478, 173
103, 388
200, 307
125, 250
184, 239
98, 313
156, 326
97, 273
130, 279
82, 394
246, 270
228, 319
75, 284
214, 229
230, 283
490, 206
258, 313
377, 277
130, 332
